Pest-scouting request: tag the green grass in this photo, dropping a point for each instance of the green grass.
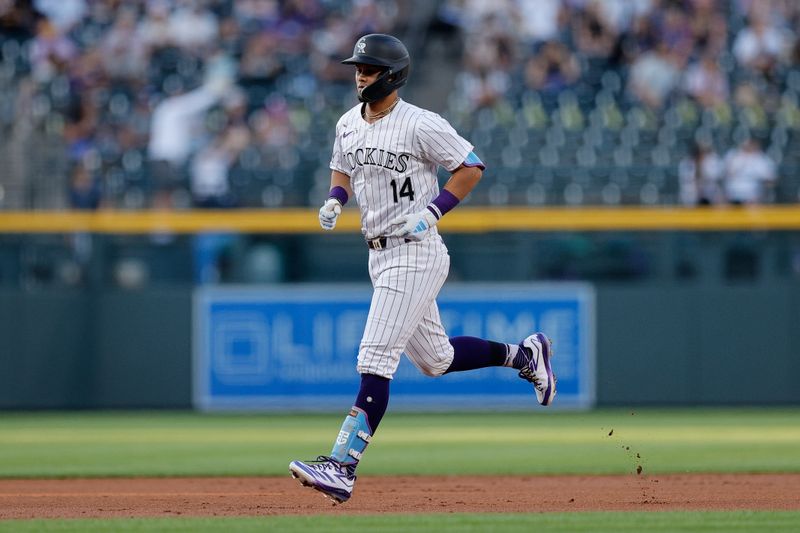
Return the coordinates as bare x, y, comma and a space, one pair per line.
611, 522
185, 443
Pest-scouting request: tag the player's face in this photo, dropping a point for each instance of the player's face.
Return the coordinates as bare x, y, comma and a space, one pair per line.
366, 75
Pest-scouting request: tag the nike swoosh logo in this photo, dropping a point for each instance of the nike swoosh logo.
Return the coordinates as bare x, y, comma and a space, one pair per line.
535, 364
347, 133
345, 481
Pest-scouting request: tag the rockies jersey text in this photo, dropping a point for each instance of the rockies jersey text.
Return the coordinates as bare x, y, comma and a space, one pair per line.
393, 162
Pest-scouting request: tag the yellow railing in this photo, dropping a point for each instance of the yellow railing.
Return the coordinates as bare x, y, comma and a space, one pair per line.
463, 220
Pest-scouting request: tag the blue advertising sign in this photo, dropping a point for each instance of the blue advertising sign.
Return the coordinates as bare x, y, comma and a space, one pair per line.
294, 347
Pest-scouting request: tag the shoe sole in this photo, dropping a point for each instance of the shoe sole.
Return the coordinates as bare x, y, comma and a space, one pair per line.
308, 483
547, 353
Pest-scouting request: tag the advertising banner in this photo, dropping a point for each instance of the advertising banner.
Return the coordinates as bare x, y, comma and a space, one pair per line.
294, 347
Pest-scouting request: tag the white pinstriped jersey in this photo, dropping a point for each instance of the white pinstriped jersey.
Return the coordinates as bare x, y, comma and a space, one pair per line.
392, 163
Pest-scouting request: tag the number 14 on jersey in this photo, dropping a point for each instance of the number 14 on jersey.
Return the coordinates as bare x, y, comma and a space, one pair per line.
406, 189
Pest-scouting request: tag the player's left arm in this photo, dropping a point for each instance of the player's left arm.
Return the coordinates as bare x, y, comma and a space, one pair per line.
463, 179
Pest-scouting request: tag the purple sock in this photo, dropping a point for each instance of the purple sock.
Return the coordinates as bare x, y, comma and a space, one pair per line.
373, 398
472, 353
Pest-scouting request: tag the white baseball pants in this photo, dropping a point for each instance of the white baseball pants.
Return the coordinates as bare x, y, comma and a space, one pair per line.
403, 316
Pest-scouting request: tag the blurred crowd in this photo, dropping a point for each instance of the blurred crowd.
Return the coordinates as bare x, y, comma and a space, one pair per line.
175, 103
706, 90
223, 103
668, 47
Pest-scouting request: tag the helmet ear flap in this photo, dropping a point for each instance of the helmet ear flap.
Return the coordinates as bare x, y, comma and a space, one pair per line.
378, 89
388, 81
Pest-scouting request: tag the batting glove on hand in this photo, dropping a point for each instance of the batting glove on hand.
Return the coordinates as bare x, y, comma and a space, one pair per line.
328, 213
415, 226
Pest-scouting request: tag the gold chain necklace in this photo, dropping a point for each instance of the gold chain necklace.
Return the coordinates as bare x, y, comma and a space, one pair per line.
380, 114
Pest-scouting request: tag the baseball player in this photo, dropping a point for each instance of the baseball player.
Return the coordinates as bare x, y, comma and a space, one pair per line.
386, 155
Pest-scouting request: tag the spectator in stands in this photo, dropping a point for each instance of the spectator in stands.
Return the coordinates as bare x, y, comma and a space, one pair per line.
210, 167
300, 17
230, 36
675, 31
474, 12
176, 127
709, 27
17, 20
594, 34
63, 14
489, 60
370, 17
620, 14
81, 119
273, 130
154, 28
641, 37
123, 49
541, 21
87, 74
256, 13
655, 75
484, 87
330, 42
750, 174
193, 26
700, 176
496, 47
261, 58
706, 83
553, 69
51, 51
760, 46
85, 188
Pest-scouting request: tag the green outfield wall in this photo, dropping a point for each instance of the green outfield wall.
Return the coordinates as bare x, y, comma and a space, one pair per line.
657, 344
703, 310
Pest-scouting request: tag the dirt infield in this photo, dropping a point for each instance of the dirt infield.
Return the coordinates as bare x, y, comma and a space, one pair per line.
150, 497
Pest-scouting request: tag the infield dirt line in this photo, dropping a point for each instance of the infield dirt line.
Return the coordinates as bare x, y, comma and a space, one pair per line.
229, 496
123, 494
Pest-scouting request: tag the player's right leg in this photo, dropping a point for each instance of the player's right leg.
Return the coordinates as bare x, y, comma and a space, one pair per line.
531, 357
435, 354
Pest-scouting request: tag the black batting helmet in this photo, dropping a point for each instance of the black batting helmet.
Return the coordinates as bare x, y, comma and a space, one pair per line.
381, 50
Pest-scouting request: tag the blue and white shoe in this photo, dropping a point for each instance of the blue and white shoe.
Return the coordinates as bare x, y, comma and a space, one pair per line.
326, 475
539, 350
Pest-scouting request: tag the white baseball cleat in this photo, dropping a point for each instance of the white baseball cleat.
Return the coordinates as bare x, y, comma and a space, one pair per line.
326, 475
539, 351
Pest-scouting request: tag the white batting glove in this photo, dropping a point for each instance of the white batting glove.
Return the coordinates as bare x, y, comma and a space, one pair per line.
328, 213
415, 226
